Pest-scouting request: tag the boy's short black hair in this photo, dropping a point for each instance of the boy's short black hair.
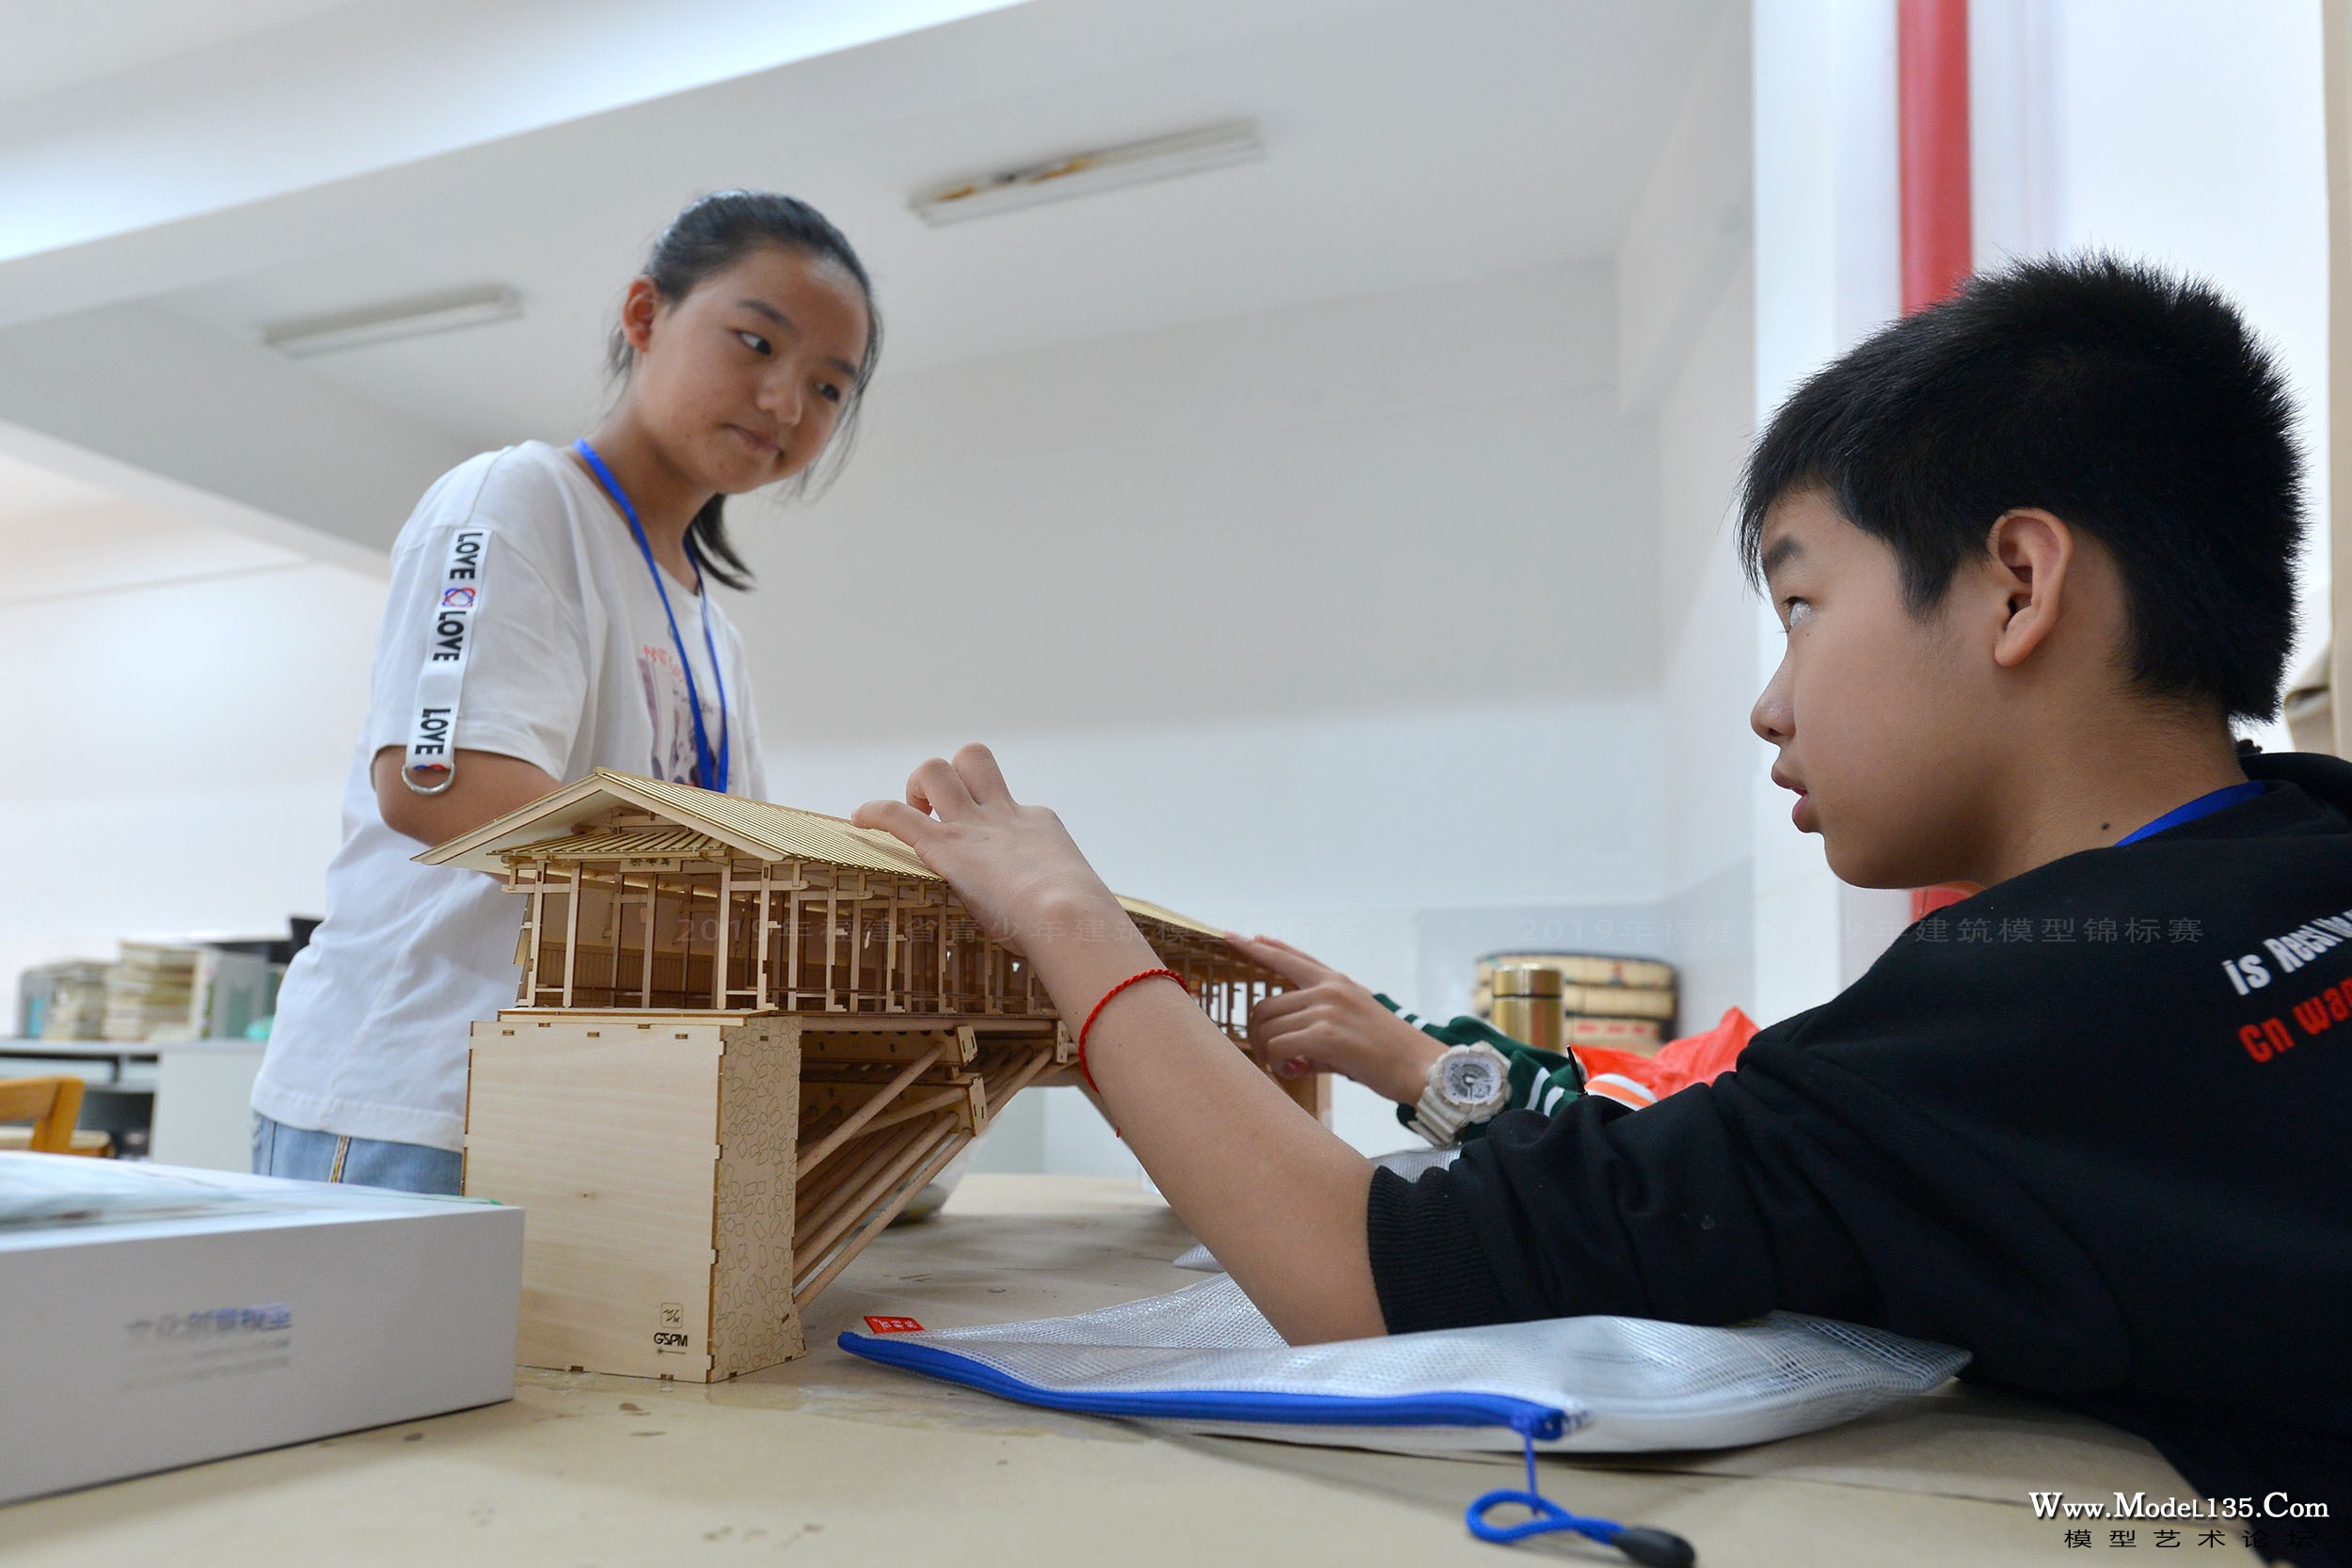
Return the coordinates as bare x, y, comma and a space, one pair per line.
2136, 406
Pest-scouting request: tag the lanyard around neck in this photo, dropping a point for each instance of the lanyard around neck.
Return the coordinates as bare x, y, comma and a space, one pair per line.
2204, 805
707, 774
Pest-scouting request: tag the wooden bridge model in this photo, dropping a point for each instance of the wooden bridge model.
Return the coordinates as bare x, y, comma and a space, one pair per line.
746, 1037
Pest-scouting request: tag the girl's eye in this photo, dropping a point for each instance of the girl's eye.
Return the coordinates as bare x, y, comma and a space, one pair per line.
1792, 607
753, 342
829, 392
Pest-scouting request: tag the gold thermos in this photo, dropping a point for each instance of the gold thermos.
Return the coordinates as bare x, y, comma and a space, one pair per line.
1527, 1006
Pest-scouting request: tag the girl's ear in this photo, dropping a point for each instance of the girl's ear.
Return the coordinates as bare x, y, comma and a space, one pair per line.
639, 307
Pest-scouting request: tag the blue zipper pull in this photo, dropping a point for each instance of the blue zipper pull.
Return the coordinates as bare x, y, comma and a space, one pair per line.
1652, 1549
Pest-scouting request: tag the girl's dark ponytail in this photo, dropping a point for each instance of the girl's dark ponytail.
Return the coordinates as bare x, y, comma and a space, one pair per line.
707, 536
711, 234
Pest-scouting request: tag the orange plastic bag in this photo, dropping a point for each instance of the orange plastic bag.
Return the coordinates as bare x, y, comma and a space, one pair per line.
1639, 1081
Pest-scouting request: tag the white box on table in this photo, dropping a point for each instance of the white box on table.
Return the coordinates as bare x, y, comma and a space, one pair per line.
153, 1317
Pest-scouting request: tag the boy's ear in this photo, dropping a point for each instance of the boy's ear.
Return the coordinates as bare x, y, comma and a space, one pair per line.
2029, 552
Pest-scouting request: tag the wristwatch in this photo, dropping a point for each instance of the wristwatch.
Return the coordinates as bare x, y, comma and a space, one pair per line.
1469, 1083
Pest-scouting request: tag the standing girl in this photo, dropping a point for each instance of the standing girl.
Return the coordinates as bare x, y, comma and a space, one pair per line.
548, 617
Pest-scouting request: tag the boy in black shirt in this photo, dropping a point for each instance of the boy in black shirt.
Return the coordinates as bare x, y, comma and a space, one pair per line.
2033, 549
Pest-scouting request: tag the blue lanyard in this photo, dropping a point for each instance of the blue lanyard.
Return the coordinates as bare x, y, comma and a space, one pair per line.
706, 773
2204, 805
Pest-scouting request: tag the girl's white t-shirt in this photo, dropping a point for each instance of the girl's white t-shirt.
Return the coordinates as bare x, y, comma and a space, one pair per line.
571, 668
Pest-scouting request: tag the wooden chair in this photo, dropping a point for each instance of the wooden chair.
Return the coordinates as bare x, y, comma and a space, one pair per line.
52, 1106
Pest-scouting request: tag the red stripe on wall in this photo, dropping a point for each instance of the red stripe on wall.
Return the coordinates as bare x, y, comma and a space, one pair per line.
1932, 96
1938, 240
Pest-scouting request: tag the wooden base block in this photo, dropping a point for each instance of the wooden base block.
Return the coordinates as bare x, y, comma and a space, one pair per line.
692, 1181
653, 1159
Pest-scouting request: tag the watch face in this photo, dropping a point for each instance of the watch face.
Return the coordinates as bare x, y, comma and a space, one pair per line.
1471, 1079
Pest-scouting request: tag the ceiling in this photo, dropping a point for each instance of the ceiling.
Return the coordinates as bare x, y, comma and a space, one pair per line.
28, 490
58, 44
1399, 265
1408, 143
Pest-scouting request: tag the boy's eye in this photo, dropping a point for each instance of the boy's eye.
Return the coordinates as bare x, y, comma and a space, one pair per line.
753, 342
1790, 609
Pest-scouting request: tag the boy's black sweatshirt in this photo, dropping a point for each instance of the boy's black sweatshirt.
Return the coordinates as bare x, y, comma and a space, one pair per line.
2091, 1124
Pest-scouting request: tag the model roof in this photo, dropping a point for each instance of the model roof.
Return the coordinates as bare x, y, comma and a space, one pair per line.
709, 824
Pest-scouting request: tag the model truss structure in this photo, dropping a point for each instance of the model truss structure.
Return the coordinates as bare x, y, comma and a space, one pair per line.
746, 1037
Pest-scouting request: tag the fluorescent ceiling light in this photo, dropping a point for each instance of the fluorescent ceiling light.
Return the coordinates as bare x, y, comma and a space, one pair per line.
384, 324
1108, 169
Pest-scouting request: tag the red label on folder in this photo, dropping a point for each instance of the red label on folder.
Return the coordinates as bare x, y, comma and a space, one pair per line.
894, 1325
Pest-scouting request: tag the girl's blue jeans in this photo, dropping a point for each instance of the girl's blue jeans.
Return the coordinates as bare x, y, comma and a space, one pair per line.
307, 1156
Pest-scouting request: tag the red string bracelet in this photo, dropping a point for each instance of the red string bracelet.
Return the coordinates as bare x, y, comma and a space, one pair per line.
1088, 1026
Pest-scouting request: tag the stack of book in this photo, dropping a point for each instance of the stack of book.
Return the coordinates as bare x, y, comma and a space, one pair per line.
63, 1001
1619, 1004
151, 993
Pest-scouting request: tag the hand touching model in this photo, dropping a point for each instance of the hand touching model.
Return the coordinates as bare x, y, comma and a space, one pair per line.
1329, 1024
1274, 1193
1014, 866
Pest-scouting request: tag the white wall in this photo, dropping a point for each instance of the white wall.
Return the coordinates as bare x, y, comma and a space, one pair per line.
1687, 325
1332, 622
183, 708
1386, 847
1708, 754
2186, 133
1419, 498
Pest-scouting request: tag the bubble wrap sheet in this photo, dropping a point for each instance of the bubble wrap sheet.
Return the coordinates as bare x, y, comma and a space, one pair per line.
1623, 1384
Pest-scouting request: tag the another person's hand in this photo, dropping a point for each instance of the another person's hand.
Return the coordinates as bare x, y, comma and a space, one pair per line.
1329, 1024
1214, 1135
1014, 866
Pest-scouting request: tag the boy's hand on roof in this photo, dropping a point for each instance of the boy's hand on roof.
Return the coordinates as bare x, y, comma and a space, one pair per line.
1326, 1023
1216, 1135
1014, 866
